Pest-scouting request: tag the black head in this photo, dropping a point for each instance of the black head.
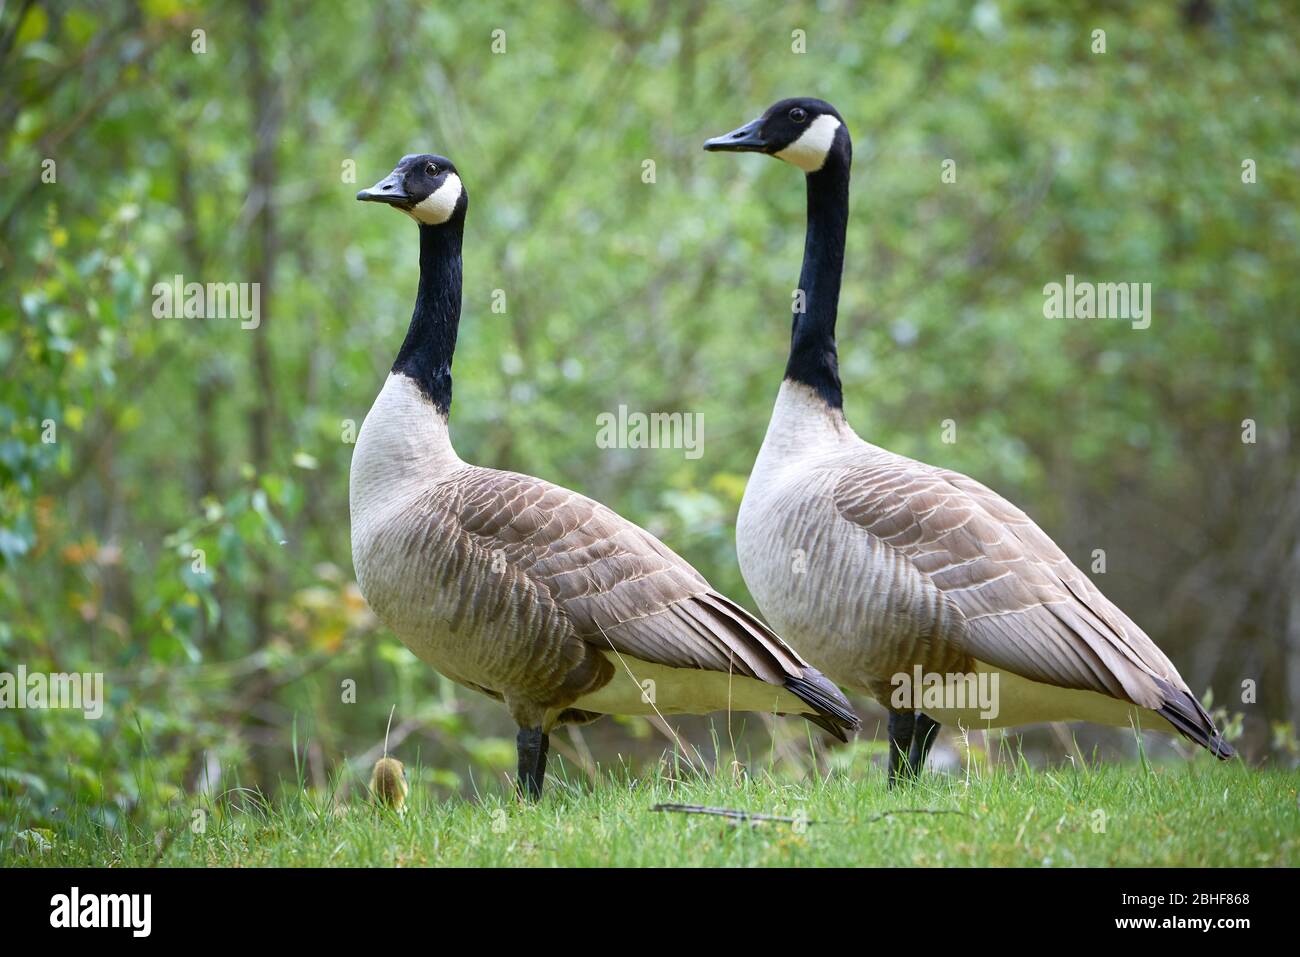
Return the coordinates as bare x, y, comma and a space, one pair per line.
425, 186
802, 131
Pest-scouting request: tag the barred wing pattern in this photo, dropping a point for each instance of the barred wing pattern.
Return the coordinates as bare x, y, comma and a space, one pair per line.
618, 586
1023, 605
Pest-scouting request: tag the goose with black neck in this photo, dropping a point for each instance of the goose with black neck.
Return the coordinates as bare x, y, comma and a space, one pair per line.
873, 565
518, 588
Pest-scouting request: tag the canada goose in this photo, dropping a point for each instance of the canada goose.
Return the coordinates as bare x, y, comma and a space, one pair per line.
903, 565
520, 589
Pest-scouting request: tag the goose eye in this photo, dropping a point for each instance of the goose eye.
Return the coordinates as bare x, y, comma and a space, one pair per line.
798, 114
431, 169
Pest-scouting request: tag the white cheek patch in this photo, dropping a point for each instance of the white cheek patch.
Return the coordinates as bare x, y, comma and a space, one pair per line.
809, 151
438, 206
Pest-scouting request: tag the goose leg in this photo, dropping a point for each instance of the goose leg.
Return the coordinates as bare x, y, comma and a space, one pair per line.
532, 745
901, 726
927, 729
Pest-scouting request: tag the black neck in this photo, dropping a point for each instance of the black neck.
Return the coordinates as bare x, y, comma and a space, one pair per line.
812, 339
426, 353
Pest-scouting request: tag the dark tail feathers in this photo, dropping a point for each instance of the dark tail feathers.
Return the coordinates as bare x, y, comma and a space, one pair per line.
1191, 720
832, 710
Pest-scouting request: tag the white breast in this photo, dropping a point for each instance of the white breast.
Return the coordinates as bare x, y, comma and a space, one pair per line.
785, 555
403, 452
843, 599
403, 448
683, 691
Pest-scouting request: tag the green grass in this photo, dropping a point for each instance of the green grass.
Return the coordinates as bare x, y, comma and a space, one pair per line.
1197, 813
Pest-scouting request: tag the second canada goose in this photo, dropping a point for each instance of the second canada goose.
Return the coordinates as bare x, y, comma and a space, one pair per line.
520, 589
873, 565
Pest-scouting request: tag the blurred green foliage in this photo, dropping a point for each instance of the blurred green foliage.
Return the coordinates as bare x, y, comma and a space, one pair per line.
186, 528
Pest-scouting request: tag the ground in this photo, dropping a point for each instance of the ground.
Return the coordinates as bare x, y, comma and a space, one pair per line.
1195, 813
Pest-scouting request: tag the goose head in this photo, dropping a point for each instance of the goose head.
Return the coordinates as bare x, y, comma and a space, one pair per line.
803, 131
425, 186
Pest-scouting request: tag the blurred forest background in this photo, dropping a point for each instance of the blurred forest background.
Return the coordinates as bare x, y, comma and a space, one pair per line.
130, 444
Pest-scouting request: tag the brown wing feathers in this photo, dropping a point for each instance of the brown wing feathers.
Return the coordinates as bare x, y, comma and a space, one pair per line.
1186, 714
620, 587
832, 712
801, 680
1023, 605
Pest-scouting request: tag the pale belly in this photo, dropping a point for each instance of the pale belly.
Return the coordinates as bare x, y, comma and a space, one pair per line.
990, 697
642, 687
